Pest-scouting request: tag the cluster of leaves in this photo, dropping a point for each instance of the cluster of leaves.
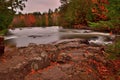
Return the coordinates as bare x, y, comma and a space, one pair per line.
36, 19
7, 11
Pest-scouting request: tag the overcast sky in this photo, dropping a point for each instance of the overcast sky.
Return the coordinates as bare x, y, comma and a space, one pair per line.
40, 5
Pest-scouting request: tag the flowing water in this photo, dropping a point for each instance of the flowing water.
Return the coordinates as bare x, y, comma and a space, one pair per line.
21, 37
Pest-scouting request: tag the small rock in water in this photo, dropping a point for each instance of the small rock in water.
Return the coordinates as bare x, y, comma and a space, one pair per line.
87, 31
84, 41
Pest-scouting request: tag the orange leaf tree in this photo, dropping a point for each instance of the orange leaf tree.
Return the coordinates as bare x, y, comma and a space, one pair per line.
99, 10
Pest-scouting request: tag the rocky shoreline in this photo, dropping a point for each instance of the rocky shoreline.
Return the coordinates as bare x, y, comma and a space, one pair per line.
71, 59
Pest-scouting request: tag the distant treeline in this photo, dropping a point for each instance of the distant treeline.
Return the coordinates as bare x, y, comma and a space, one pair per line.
50, 18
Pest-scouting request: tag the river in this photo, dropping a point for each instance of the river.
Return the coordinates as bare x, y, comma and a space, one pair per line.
21, 37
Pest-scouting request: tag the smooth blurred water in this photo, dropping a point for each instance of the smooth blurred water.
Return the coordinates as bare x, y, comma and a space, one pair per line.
21, 37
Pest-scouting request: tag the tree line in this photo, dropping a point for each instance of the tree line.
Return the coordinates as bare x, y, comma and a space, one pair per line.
50, 18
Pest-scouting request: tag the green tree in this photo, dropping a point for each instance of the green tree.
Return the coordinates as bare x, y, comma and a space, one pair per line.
114, 13
7, 11
43, 20
50, 21
63, 10
36, 13
56, 17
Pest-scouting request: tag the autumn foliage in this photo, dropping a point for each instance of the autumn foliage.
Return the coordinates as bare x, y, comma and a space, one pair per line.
75, 13
26, 20
35, 19
99, 10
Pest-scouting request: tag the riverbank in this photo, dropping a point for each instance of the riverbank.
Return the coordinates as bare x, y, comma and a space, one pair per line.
3, 32
105, 29
72, 59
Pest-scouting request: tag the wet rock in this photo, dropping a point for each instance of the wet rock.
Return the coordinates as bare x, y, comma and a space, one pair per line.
1, 50
87, 31
84, 41
35, 36
1, 45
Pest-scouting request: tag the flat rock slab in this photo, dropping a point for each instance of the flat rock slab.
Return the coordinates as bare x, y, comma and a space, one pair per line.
63, 60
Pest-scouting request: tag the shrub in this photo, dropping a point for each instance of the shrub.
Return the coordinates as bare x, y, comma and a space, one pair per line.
113, 49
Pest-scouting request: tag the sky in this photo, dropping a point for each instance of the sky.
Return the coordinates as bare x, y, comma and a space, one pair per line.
40, 5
